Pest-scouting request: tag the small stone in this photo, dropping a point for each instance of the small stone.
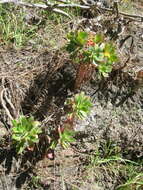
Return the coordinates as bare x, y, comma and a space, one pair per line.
3, 132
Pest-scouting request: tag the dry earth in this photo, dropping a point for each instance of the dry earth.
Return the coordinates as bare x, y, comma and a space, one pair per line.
38, 83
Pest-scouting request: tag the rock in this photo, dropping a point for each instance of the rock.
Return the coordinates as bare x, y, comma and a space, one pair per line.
3, 132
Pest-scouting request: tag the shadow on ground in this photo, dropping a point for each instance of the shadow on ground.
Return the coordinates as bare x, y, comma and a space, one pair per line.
48, 91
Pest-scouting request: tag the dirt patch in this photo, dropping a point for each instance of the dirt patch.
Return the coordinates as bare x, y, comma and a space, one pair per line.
109, 142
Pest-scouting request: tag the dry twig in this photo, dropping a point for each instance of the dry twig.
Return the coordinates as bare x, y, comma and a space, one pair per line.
4, 104
64, 4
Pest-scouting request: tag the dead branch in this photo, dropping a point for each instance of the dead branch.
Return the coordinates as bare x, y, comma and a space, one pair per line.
123, 14
48, 6
4, 104
57, 7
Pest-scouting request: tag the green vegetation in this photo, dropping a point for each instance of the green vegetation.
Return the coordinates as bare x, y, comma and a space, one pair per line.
109, 159
13, 29
88, 48
134, 181
62, 136
25, 133
79, 106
